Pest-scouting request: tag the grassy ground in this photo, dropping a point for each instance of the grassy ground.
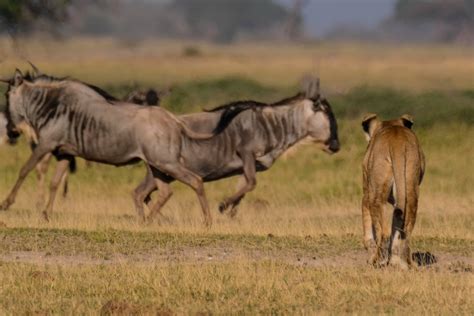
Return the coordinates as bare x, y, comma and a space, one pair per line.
295, 246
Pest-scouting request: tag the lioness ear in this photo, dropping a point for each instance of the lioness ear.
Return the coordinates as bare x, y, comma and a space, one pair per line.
17, 78
369, 123
407, 120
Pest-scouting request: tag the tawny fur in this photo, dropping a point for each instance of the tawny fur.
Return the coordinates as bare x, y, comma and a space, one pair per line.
393, 168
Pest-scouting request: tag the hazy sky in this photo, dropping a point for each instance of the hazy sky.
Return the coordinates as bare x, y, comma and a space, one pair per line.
323, 15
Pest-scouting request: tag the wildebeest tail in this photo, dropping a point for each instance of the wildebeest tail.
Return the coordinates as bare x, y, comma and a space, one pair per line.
226, 118
72, 165
229, 114
192, 134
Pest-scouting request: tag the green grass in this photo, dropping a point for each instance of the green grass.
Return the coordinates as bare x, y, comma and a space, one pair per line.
428, 108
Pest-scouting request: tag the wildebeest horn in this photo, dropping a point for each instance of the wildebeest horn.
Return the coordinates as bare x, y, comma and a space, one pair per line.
311, 86
36, 71
4, 80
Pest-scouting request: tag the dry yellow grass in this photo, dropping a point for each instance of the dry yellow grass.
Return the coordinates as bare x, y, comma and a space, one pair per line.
340, 65
241, 287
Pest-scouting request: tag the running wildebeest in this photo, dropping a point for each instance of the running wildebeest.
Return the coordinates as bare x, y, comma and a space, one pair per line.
68, 120
251, 143
148, 97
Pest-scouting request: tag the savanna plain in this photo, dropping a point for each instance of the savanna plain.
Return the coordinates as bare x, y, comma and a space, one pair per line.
295, 245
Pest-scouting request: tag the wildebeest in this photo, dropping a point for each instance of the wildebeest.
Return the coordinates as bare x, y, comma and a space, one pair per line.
251, 143
148, 97
142, 97
69, 119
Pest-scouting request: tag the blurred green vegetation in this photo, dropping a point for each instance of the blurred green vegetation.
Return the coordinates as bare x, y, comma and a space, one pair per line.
428, 108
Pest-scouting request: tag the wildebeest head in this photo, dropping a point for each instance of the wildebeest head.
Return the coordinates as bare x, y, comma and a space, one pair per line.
25, 89
146, 97
320, 119
15, 111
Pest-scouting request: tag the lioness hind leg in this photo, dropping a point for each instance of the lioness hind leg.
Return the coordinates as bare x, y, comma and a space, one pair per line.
399, 249
375, 237
412, 208
402, 227
377, 256
369, 230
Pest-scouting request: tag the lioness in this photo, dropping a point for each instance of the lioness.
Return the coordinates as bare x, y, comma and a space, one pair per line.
393, 168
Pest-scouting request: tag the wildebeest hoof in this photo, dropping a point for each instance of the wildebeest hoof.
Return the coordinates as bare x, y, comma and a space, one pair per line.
148, 220
45, 216
233, 212
5, 205
208, 221
223, 206
141, 219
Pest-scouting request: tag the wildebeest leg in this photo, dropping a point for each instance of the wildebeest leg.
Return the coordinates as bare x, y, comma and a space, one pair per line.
194, 181
164, 194
66, 184
250, 176
38, 153
142, 192
41, 172
61, 170
235, 207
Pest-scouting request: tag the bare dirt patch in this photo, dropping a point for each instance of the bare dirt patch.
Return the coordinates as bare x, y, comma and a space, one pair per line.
199, 255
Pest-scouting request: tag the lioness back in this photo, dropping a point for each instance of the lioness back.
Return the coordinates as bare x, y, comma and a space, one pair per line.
393, 168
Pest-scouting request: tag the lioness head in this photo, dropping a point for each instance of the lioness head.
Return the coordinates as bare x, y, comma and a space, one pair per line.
371, 124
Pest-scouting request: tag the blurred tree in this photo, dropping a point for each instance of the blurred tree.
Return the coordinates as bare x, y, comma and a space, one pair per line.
452, 11
456, 15
295, 19
223, 20
19, 16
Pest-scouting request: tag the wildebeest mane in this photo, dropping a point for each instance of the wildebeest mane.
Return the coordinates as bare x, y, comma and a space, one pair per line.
297, 97
102, 92
231, 110
237, 104
47, 78
254, 104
